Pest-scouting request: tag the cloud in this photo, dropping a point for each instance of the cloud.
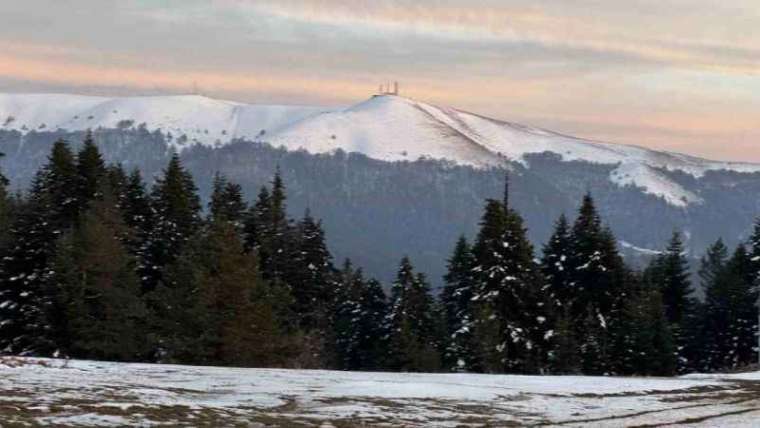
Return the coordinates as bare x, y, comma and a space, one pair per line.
656, 72
61, 72
667, 39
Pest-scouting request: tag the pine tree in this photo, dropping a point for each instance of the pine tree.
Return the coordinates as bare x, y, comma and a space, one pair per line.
176, 218
597, 280
664, 356
677, 293
255, 221
456, 301
116, 179
51, 209
711, 269
730, 320
8, 208
595, 343
669, 273
347, 314
275, 239
178, 321
91, 170
97, 290
227, 203
135, 207
412, 345
489, 274
595, 264
754, 259
754, 248
713, 263
243, 319
311, 275
643, 342
564, 355
8, 212
63, 286
554, 263
371, 325
510, 308
59, 181
136, 204
270, 233
275, 234
311, 281
214, 308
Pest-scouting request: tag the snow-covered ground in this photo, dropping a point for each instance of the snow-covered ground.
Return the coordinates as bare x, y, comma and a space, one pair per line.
386, 127
78, 393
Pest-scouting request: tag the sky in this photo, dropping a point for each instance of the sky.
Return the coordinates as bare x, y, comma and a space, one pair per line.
677, 75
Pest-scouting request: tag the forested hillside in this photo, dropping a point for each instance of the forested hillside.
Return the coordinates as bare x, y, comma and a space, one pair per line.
377, 211
96, 264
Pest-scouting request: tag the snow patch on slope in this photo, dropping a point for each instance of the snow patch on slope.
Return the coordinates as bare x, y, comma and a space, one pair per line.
653, 182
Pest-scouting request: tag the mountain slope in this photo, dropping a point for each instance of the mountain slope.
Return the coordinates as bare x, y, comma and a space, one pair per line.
375, 211
388, 128
393, 128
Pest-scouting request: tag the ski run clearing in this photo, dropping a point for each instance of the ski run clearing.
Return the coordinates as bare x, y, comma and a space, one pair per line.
43, 392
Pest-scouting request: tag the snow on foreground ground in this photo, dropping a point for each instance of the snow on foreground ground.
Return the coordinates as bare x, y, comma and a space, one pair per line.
38, 392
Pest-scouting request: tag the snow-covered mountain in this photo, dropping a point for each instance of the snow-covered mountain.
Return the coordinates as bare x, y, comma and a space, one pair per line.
199, 119
386, 127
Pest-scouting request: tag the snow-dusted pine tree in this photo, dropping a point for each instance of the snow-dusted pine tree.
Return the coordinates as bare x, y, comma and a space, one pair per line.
554, 264
50, 210
456, 298
98, 312
412, 341
311, 279
255, 220
91, 170
510, 311
669, 274
597, 280
358, 321
270, 233
136, 209
642, 339
226, 203
212, 306
176, 217
730, 314
277, 236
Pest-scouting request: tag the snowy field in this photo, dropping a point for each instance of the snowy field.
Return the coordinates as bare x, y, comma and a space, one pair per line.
36, 392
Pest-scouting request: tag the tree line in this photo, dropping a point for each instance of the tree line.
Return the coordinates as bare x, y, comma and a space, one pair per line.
97, 265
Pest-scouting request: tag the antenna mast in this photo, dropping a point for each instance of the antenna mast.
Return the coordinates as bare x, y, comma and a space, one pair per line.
388, 88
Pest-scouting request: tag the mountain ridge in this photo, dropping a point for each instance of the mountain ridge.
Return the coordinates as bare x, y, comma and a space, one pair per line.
383, 127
